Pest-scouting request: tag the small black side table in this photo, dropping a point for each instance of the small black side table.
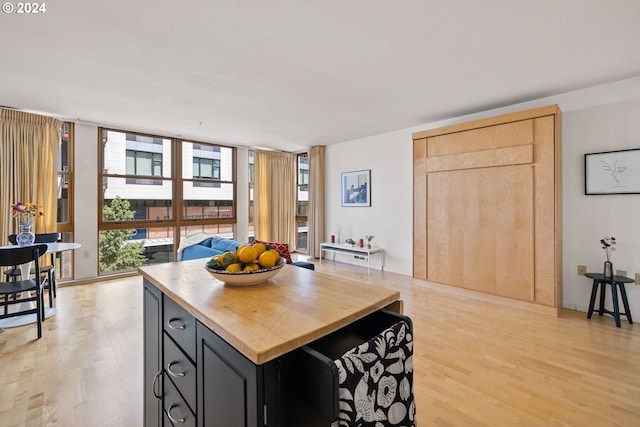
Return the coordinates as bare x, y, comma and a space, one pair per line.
615, 281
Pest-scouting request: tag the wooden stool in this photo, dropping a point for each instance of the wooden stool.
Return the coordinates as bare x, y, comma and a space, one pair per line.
615, 282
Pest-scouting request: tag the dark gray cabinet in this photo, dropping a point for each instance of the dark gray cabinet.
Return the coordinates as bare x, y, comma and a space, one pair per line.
192, 377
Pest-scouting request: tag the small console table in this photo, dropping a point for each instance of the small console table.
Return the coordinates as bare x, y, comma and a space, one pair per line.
363, 252
615, 282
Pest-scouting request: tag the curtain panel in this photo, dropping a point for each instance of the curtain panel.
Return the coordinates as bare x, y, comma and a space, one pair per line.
28, 161
275, 197
315, 215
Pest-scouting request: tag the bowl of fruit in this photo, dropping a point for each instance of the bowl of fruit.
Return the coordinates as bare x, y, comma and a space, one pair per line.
248, 265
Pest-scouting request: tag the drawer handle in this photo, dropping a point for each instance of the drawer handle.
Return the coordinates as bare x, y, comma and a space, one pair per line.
174, 420
175, 328
153, 386
174, 374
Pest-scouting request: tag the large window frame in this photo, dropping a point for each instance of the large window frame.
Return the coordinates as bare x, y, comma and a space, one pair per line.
302, 186
251, 224
176, 222
66, 187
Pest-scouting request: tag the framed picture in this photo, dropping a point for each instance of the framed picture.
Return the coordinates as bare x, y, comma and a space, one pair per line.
356, 188
612, 172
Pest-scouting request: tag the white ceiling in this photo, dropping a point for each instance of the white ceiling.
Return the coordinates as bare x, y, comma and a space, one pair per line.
290, 74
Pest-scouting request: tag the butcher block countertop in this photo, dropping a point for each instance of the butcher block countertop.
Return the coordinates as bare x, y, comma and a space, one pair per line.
265, 321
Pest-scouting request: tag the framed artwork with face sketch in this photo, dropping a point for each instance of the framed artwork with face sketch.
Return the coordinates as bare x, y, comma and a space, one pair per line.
612, 172
356, 188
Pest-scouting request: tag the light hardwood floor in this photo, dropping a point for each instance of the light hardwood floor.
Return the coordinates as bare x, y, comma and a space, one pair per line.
476, 363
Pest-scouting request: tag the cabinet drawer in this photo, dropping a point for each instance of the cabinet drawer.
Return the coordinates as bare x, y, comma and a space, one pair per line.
310, 376
181, 326
175, 409
181, 371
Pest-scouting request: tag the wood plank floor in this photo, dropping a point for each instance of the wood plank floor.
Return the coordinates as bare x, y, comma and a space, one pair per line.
476, 363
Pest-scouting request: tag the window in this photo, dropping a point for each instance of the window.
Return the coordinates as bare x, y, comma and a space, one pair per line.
65, 181
64, 260
209, 191
154, 191
144, 156
251, 227
144, 163
206, 165
206, 168
302, 201
128, 162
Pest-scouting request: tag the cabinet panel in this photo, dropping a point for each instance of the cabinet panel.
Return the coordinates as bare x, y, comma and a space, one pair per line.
175, 407
482, 238
520, 155
547, 203
419, 209
228, 391
180, 370
152, 325
181, 326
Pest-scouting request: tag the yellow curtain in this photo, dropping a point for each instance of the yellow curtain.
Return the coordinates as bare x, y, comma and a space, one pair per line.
28, 161
315, 213
275, 197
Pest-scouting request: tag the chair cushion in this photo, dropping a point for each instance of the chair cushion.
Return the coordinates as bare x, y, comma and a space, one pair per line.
8, 288
282, 248
304, 264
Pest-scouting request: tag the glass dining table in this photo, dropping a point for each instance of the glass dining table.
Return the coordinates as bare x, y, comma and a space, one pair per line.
25, 271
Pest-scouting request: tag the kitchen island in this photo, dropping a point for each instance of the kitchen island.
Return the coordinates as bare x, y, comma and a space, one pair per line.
231, 355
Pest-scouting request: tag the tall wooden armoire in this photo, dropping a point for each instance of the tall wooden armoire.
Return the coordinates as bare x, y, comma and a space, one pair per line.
487, 207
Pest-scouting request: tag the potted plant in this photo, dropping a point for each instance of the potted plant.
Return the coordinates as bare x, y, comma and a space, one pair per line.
369, 239
609, 245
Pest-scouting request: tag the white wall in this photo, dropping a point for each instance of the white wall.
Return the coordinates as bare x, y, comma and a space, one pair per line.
600, 118
390, 217
587, 219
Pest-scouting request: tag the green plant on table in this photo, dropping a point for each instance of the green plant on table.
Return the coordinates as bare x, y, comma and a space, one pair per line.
609, 245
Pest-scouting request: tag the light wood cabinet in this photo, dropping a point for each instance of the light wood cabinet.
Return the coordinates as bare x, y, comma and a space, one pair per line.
487, 209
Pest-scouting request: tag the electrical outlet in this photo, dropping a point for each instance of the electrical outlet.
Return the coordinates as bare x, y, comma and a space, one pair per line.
582, 270
621, 273
637, 278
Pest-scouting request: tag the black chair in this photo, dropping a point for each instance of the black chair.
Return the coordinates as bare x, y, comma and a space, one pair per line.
10, 257
49, 270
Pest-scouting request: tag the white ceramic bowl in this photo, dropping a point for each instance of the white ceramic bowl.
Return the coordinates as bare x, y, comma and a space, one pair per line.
246, 278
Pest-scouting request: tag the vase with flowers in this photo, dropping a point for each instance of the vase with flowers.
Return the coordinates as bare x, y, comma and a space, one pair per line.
369, 239
25, 214
609, 245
